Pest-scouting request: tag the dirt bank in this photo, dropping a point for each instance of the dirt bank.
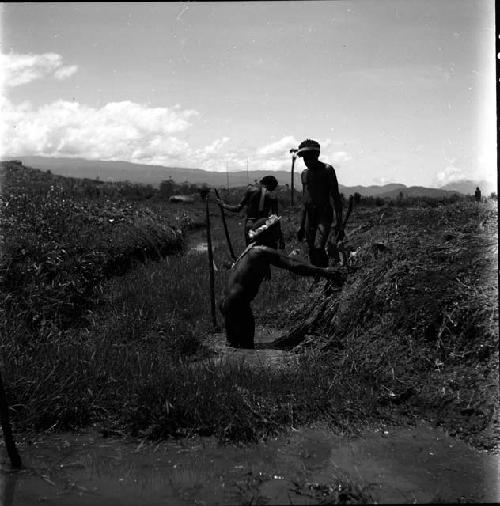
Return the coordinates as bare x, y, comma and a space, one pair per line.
418, 319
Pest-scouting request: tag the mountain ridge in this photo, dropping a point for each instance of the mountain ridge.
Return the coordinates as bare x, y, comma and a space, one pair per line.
154, 174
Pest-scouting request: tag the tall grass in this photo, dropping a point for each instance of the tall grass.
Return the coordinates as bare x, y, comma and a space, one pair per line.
127, 367
129, 363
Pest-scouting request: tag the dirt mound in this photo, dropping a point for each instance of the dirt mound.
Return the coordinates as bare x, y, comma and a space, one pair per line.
418, 320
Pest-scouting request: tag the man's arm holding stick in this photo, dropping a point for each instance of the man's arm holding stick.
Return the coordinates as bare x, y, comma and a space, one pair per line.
233, 208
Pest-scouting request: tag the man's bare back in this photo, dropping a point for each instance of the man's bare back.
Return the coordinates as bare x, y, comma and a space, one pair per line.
245, 278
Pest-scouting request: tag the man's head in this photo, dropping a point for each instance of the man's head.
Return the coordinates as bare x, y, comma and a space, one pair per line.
266, 231
270, 182
309, 150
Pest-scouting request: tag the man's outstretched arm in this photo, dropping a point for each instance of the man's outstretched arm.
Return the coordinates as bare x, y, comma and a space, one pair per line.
302, 268
237, 207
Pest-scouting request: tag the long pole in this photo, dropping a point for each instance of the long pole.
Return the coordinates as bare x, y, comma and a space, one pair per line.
294, 156
227, 177
211, 264
226, 231
248, 179
349, 210
10, 445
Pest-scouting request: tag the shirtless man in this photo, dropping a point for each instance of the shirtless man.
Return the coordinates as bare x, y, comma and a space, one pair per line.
260, 203
248, 272
320, 185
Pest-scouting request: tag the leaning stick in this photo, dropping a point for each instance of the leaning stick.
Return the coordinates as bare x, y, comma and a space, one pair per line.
10, 445
226, 231
204, 194
292, 182
349, 210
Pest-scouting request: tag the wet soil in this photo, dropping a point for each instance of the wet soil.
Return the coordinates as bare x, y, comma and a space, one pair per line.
409, 465
263, 355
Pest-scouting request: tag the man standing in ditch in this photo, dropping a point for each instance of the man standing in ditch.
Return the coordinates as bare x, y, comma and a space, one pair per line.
320, 189
248, 272
260, 202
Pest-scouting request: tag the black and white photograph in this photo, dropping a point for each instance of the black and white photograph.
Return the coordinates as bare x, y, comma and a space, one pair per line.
249, 253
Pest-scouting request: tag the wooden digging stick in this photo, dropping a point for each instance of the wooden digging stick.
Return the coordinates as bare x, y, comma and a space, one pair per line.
204, 195
226, 231
349, 210
10, 445
292, 182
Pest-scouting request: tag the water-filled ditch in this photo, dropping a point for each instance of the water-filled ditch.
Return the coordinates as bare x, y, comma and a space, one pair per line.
403, 465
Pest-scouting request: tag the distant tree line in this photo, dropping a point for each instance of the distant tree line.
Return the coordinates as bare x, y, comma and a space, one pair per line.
408, 201
169, 187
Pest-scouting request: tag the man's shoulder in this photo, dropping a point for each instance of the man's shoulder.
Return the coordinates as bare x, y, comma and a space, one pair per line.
252, 189
328, 167
252, 192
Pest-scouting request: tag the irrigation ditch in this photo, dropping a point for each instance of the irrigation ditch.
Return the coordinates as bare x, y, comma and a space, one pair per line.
417, 323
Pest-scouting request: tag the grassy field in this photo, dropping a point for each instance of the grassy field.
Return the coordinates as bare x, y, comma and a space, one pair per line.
413, 333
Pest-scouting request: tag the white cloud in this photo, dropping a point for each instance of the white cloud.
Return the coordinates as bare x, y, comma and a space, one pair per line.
381, 180
280, 148
130, 131
116, 131
216, 146
449, 175
18, 69
341, 156
65, 72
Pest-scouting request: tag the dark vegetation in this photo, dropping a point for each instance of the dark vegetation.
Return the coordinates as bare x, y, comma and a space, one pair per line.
418, 320
93, 333
62, 238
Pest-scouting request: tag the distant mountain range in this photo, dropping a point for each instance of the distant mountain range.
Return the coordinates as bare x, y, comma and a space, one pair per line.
467, 186
154, 174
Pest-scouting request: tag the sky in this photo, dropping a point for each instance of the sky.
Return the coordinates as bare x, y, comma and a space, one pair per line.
394, 90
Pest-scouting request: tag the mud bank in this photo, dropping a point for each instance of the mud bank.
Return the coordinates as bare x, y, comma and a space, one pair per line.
409, 465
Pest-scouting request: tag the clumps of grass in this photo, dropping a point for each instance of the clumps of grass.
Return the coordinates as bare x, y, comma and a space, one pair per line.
58, 247
131, 369
418, 321
398, 334
125, 365
149, 394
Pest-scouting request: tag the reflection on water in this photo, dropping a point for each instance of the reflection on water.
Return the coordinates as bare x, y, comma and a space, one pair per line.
404, 465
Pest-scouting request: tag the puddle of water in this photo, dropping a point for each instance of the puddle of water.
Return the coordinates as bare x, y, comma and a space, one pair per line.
404, 466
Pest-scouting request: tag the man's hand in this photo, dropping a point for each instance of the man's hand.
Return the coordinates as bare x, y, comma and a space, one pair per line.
301, 233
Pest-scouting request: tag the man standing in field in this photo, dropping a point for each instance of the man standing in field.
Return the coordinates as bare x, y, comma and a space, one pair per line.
248, 272
260, 202
477, 194
320, 189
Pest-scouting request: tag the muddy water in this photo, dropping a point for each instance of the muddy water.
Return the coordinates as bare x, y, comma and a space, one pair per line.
396, 466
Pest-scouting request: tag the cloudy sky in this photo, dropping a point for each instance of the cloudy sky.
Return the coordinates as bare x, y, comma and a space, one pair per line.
395, 90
